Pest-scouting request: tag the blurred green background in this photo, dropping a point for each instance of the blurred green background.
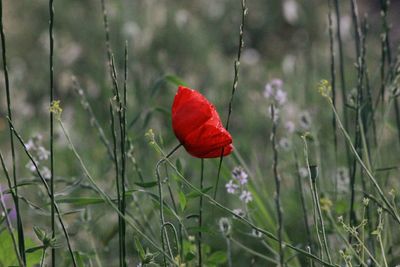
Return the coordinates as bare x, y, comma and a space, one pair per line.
196, 42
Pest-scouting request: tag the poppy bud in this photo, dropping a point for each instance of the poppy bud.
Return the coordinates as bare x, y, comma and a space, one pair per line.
197, 125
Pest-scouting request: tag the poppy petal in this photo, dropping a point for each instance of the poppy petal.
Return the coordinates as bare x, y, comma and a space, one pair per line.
197, 125
207, 138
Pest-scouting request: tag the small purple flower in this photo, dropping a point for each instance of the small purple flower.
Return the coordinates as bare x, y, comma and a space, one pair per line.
274, 90
239, 174
231, 187
7, 200
30, 145
246, 196
280, 96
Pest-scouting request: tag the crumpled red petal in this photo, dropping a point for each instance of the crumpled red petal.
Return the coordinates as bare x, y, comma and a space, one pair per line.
198, 126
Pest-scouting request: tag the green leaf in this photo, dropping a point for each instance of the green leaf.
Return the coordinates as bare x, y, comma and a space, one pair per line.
147, 184
174, 80
33, 249
182, 200
217, 258
140, 250
7, 252
40, 233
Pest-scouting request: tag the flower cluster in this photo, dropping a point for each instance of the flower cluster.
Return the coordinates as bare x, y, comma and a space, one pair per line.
39, 153
237, 185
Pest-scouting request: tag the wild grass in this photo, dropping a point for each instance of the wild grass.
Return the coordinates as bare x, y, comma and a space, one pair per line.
315, 122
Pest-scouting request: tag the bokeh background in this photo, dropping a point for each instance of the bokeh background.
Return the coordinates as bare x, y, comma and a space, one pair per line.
195, 42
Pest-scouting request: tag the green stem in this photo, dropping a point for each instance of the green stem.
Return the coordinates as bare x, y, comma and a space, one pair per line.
362, 164
118, 185
240, 218
21, 240
234, 86
106, 198
47, 187
200, 215
51, 40
164, 236
253, 252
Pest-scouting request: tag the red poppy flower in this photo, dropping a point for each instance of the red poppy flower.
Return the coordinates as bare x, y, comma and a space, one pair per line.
197, 125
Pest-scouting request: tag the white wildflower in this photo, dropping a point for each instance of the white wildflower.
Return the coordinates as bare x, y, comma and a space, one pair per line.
239, 174
246, 196
256, 233
224, 225
42, 153
30, 166
30, 145
231, 187
45, 173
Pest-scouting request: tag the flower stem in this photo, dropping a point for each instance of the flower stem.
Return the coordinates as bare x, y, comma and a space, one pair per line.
277, 185
164, 236
51, 69
234, 87
20, 229
200, 215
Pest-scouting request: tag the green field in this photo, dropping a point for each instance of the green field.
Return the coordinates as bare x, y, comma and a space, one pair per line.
104, 163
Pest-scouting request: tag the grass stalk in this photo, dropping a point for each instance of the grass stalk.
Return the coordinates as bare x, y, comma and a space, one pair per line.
240, 218
20, 229
106, 198
92, 117
10, 228
313, 174
364, 167
48, 191
118, 183
253, 252
303, 203
277, 185
234, 86
164, 235
333, 72
200, 215
51, 87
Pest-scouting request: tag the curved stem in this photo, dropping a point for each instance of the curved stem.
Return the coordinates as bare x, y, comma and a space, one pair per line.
160, 194
241, 218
